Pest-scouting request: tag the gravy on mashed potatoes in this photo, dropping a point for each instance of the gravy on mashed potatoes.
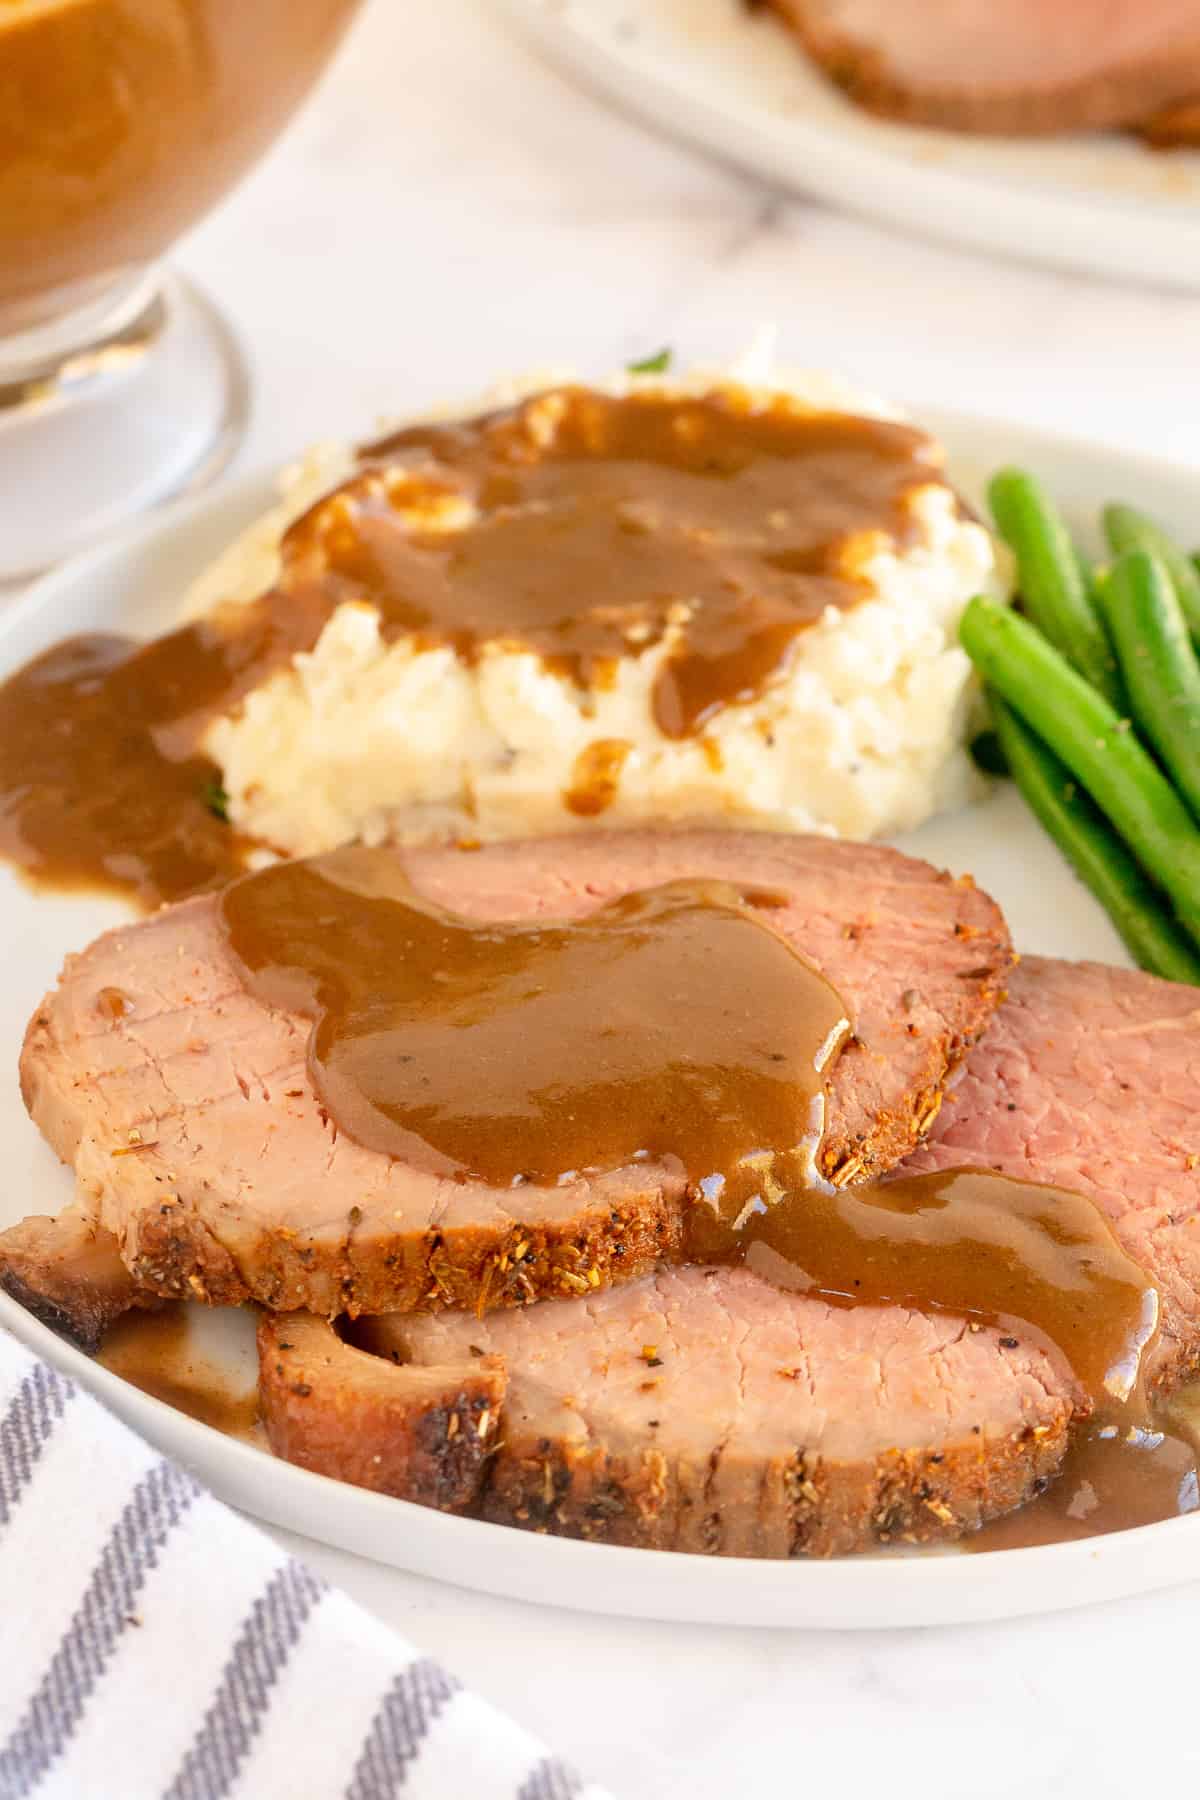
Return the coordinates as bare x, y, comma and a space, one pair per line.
652, 603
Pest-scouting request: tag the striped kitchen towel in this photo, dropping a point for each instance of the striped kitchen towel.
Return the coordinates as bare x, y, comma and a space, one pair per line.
153, 1646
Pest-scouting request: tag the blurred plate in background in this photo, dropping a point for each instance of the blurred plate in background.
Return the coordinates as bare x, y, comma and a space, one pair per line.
736, 83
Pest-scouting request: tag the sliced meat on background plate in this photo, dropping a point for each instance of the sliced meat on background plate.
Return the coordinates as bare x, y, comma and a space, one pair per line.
1025, 67
197, 1141
709, 1410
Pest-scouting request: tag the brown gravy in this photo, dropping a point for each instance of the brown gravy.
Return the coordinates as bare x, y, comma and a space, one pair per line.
1039, 1262
670, 1026
676, 1026
598, 524
89, 794
967, 1241
596, 777
594, 527
151, 1351
1117, 1474
121, 121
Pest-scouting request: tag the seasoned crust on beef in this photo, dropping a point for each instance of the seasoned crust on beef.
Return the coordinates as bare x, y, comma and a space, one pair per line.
623, 1235
785, 1426
422, 1434
808, 1507
1024, 71
197, 1140
706, 1410
69, 1274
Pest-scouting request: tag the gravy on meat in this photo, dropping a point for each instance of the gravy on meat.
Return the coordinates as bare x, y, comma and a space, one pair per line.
675, 1026
1027, 1257
665, 1025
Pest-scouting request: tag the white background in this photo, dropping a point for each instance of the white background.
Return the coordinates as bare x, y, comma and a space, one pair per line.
446, 210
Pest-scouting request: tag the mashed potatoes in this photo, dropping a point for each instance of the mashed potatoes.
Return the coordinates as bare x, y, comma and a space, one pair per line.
860, 734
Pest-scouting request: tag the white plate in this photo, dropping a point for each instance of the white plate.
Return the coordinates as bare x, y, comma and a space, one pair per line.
736, 83
132, 587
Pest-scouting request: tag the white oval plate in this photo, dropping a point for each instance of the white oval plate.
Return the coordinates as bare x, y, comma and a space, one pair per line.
736, 83
134, 586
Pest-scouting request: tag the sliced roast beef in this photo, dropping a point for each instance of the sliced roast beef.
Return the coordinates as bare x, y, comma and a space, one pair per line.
1026, 67
425, 1433
1088, 1079
69, 1274
186, 1109
700, 1409
708, 1410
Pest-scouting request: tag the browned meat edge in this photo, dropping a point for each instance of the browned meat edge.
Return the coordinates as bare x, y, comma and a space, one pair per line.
425, 1433
70, 1275
357, 1417
1124, 97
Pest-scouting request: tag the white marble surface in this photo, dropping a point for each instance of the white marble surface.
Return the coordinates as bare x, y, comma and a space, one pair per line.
447, 209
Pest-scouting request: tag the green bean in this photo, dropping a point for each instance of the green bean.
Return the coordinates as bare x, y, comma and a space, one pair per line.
1098, 747
1128, 529
1090, 576
1050, 572
1095, 852
1100, 600
1161, 669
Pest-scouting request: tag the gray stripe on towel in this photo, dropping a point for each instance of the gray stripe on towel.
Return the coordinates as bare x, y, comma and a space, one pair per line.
411, 1704
243, 1697
551, 1780
25, 1428
155, 1506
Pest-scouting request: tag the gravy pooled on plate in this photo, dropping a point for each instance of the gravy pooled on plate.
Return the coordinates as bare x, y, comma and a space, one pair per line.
152, 1351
